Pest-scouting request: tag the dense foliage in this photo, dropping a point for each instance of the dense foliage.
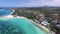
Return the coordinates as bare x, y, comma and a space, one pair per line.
32, 13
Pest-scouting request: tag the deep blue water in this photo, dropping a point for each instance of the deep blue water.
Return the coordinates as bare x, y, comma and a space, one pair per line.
4, 12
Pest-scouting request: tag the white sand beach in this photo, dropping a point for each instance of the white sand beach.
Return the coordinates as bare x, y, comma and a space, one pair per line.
11, 16
35, 23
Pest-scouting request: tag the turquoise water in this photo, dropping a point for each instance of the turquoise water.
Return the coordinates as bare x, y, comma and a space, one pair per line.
19, 26
4, 12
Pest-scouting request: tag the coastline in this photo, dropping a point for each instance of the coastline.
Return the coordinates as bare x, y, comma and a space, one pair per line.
39, 25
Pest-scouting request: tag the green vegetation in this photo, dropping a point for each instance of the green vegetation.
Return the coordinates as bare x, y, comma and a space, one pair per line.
53, 27
32, 13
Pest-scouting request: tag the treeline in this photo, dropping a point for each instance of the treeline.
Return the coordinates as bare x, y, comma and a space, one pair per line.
31, 13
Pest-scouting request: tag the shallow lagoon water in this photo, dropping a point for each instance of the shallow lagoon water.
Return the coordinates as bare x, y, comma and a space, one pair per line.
19, 26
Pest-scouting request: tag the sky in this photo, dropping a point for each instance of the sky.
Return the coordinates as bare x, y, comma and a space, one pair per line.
29, 3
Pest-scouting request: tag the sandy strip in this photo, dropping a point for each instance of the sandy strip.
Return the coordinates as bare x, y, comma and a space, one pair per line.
46, 29
11, 16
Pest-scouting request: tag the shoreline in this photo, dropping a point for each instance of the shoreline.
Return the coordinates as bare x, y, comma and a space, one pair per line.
46, 29
12, 16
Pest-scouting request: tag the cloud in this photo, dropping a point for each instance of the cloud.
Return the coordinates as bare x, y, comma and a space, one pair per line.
52, 3
44, 3
29, 3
